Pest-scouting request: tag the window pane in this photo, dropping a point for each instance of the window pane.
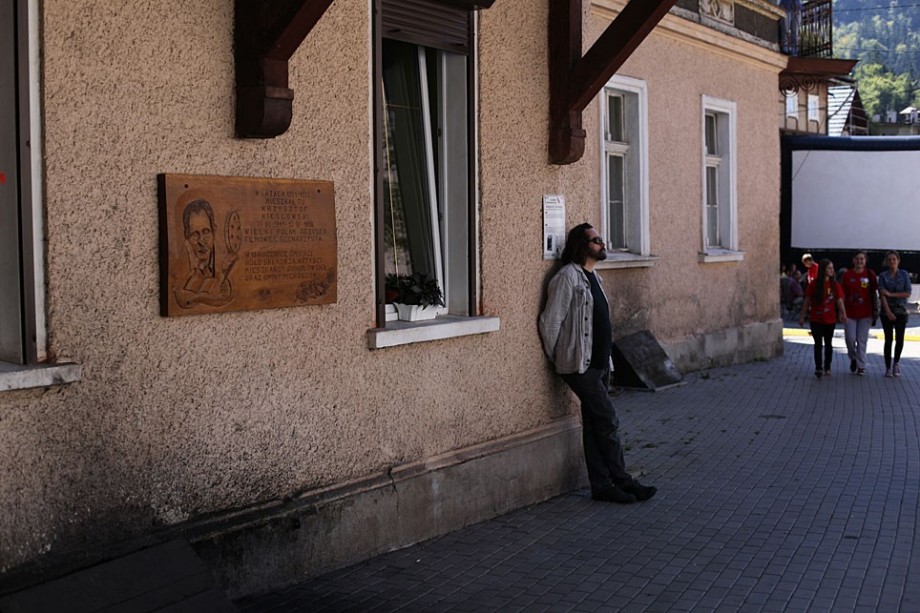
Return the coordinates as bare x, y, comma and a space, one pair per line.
11, 337
408, 235
792, 105
615, 118
712, 222
712, 207
454, 179
812, 107
712, 135
712, 185
616, 209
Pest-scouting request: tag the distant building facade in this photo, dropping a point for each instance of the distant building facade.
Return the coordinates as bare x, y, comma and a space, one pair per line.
901, 123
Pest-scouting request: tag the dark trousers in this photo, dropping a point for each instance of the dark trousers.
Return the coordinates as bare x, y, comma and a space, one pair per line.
823, 335
600, 429
897, 328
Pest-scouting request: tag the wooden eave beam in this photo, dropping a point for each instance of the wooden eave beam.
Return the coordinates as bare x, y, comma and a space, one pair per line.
818, 67
575, 79
807, 73
266, 35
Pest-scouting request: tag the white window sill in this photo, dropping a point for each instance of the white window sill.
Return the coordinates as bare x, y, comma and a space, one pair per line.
626, 260
19, 377
445, 326
721, 255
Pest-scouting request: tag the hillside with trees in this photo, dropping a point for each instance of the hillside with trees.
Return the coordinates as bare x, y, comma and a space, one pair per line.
885, 36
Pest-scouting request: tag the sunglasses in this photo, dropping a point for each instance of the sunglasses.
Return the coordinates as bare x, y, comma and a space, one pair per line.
597, 240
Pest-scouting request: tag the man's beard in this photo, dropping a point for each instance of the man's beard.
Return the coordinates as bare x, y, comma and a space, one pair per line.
600, 255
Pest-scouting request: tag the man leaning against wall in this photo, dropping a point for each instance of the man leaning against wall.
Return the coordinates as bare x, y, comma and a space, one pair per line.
577, 337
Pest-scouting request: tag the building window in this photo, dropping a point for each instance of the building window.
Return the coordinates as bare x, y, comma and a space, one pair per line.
813, 107
719, 176
624, 185
425, 137
21, 330
792, 105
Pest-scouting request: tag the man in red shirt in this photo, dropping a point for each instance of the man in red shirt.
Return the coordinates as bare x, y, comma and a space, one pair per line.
860, 297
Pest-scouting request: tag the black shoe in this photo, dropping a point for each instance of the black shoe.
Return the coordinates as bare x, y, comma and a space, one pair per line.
818, 372
852, 365
641, 492
613, 494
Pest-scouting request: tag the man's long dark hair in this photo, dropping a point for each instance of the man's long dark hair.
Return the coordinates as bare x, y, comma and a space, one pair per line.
576, 245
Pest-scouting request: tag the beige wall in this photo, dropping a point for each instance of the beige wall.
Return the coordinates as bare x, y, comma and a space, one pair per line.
681, 297
176, 418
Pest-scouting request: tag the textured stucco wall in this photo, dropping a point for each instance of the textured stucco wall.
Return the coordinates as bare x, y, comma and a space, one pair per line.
175, 418
178, 417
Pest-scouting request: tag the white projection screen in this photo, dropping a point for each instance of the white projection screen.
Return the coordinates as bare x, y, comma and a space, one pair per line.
855, 199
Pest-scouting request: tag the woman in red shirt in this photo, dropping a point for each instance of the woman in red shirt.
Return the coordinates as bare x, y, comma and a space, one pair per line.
860, 296
823, 300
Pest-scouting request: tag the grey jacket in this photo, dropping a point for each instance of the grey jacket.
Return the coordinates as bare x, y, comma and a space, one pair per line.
566, 323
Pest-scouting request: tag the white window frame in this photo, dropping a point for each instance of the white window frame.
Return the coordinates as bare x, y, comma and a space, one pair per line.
725, 112
15, 376
395, 333
635, 151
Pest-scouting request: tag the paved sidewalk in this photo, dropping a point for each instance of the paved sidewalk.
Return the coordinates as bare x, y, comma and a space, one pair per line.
777, 492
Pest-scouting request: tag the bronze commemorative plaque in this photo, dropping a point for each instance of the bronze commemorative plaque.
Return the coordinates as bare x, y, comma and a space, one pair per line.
238, 243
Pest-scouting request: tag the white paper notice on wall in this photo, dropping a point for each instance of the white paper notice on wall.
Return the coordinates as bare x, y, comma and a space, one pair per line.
553, 226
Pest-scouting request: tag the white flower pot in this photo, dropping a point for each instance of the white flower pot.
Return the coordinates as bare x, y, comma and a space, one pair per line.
415, 312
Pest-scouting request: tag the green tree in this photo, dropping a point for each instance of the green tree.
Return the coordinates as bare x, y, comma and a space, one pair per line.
885, 36
882, 90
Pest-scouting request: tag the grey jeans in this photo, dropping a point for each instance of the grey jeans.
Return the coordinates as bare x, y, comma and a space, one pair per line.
856, 332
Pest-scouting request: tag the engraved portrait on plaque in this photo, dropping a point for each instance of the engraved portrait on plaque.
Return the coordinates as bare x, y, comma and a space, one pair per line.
204, 283
236, 243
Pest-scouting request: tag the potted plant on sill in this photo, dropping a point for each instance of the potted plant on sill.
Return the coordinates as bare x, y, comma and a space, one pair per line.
416, 296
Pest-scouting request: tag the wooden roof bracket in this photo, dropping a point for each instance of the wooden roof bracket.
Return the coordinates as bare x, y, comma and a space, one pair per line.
266, 35
574, 80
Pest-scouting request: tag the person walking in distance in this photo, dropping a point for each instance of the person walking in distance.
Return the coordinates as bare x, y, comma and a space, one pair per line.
577, 337
823, 300
790, 289
860, 297
811, 268
894, 289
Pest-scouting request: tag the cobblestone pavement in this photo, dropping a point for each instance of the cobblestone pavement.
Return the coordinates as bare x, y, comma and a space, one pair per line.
777, 492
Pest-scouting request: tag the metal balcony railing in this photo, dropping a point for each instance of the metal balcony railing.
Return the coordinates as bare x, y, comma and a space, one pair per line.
808, 30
